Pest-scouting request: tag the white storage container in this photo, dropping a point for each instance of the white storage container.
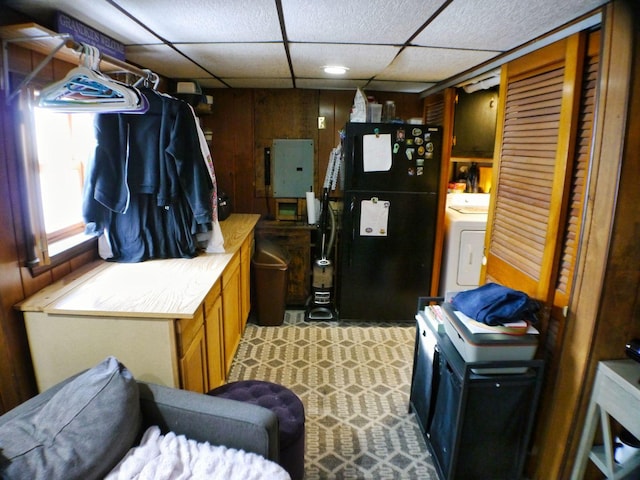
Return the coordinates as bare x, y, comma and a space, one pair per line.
488, 347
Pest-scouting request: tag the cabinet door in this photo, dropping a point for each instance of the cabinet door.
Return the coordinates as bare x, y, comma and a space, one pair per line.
193, 364
192, 352
214, 334
231, 308
474, 125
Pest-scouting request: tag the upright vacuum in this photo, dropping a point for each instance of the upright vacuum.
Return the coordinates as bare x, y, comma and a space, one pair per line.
320, 306
321, 303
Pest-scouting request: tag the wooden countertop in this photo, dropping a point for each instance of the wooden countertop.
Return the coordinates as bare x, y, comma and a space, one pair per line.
171, 288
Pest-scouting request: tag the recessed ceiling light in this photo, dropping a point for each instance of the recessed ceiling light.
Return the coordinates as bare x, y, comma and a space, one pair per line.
335, 70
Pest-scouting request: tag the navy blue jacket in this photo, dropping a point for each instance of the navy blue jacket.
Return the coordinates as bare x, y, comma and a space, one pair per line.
148, 185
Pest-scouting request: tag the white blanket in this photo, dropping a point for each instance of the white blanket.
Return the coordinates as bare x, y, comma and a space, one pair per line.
174, 457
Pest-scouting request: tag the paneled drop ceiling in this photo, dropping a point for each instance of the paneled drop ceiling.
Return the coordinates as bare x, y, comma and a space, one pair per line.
387, 45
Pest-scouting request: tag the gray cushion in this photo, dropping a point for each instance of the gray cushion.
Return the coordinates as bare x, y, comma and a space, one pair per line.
82, 432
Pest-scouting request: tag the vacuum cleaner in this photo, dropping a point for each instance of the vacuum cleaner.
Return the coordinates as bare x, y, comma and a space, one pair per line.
320, 305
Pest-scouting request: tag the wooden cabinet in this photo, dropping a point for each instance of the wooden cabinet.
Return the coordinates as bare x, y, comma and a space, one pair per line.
214, 334
175, 322
474, 128
231, 309
296, 240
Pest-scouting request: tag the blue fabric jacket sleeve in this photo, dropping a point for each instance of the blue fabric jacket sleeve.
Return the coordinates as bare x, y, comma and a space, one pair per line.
184, 151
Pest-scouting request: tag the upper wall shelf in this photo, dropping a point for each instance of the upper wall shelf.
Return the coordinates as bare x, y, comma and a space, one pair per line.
61, 46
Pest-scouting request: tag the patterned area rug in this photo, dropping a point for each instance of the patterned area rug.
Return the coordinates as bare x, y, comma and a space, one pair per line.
354, 381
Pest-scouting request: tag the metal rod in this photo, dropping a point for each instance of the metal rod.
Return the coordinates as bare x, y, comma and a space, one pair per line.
72, 44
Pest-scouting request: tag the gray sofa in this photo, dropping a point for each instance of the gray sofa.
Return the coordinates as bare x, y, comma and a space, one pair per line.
110, 414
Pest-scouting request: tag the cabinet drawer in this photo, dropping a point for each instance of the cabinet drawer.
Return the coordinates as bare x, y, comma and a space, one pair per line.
187, 329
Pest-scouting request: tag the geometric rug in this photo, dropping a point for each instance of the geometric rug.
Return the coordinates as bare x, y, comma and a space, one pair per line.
354, 381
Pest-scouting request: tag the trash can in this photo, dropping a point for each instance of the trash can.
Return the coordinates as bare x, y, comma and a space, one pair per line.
271, 272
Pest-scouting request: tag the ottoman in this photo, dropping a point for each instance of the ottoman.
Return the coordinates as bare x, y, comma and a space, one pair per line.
289, 410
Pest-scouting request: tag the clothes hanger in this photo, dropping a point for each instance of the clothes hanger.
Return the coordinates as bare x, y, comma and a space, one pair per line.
149, 79
86, 89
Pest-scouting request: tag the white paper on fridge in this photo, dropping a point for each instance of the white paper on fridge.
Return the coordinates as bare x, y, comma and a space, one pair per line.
374, 218
376, 152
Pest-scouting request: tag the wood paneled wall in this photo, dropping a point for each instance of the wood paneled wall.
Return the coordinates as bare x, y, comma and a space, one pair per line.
245, 122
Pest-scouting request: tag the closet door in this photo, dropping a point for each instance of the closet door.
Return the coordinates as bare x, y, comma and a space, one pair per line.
576, 200
543, 150
533, 166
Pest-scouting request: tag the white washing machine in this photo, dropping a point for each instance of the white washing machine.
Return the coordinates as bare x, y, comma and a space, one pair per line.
465, 227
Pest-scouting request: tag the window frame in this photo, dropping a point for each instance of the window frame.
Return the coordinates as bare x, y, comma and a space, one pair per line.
44, 251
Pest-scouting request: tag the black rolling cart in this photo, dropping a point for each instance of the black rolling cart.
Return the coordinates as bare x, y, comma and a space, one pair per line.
476, 417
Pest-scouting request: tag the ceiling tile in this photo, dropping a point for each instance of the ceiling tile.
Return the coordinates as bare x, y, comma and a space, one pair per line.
390, 86
363, 61
240, 60
330, 84
209, 82
422, 64
165, 61
185, 21
259, 82
240, 44
356, 21
499, 24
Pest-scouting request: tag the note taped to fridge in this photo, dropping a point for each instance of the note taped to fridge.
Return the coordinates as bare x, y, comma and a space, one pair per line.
374, 218
376, 152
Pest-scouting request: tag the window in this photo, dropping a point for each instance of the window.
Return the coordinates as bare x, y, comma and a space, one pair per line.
56, 147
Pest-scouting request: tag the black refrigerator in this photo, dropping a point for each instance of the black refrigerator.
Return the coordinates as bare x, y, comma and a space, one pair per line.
391, 182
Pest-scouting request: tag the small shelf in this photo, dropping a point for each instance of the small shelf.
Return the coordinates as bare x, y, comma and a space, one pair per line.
61, 46
40, 39
599, 457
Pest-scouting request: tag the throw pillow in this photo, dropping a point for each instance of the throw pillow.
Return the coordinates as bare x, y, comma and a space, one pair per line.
81, 433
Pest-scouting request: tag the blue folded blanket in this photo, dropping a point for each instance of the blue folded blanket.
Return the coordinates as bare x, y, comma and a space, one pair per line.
495, 304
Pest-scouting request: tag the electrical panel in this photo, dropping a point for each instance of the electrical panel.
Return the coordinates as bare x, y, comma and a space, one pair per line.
292, 162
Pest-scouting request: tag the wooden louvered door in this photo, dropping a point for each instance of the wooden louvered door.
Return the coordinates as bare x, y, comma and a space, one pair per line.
532, 167
573, 222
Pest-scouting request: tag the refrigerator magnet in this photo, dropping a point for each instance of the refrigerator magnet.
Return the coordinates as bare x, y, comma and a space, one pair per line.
409, 153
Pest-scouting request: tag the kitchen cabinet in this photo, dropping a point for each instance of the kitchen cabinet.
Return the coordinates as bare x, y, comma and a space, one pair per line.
175, 322
474, 124
214, 334
193, 354
477, 426
296, 239
231, 310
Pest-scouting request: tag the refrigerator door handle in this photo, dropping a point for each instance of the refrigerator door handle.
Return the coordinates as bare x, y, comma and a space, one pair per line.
352, 207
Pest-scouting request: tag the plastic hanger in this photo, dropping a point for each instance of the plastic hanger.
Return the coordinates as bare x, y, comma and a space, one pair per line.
148, 80
86, 89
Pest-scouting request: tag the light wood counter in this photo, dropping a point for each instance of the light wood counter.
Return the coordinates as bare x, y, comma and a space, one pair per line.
139, 312
168, 288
